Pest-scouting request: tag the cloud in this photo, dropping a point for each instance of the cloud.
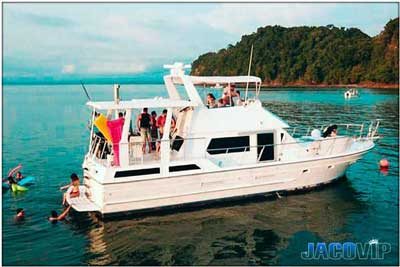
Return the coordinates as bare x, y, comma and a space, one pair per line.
116, 68
246, 18
68, 69
50, 21
37, 37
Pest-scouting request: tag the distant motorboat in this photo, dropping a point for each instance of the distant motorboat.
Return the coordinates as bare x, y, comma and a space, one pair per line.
217, 86
353, 92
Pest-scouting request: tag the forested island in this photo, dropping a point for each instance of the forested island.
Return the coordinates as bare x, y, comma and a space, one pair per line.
311, 56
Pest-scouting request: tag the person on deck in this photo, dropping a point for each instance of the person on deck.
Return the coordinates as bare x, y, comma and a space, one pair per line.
73, 188
331, 131
153, 130
160, 124
143, 123
239, 101
211, 103
221, 103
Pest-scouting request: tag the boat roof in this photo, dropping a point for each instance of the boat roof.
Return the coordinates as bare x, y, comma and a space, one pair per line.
211, 80
140, 104
238, 119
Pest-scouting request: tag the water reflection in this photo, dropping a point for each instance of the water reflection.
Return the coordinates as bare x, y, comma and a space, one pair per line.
253, 232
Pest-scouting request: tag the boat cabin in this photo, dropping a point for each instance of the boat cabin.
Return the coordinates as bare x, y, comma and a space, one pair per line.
219, 137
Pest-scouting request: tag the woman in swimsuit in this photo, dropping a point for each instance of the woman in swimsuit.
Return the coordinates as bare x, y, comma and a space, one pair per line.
73, 188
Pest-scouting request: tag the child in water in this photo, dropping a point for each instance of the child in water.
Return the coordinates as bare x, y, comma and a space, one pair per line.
54, 217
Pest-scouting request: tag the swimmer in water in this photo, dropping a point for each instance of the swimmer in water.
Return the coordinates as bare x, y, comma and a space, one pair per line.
19, 176
20, 214
54, 217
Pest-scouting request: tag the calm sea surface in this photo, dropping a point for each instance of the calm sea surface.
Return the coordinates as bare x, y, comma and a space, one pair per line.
44, 128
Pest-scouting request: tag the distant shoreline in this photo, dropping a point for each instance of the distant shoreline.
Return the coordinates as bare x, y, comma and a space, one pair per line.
304, 85
263, 85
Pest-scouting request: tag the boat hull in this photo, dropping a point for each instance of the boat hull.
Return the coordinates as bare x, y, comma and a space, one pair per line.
204, 187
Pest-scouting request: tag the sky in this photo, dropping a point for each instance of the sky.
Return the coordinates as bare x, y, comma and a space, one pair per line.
51, 41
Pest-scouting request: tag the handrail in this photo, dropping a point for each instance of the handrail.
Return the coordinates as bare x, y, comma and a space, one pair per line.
372, 131
305, 131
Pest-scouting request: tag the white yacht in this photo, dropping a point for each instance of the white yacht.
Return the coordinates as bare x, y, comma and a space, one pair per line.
212, 154
353, 92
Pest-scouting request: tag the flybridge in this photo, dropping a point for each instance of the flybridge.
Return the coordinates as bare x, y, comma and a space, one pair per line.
140, 104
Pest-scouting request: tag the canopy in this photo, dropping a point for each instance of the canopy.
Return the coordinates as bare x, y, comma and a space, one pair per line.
140, 104
212, 80
224, 79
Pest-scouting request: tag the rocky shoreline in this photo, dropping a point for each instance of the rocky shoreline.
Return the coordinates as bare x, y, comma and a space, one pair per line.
322, 85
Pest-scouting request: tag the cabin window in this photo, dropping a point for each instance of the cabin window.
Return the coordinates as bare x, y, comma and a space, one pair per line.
121, 174
229, 145
265, 146
187, 167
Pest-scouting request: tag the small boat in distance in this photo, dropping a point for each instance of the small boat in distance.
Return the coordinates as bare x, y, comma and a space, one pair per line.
211, 153
217, 86
352, 92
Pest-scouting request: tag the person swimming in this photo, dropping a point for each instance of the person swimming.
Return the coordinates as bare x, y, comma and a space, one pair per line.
19, 176
54, 217
20, 214
10, 181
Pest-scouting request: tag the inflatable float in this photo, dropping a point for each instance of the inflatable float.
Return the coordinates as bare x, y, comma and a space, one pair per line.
28, 180
18, 188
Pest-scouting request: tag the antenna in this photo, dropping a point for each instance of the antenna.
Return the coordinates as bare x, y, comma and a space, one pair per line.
248, 73
84, 89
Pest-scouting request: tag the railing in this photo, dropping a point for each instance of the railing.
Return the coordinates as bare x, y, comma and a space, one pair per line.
348, 129
310, 148
99, 147
136, 154
303, 147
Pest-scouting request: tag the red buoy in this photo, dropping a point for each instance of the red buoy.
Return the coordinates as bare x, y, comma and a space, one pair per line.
384, 164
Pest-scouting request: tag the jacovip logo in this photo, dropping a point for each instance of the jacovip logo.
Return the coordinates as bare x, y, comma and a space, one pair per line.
373, 250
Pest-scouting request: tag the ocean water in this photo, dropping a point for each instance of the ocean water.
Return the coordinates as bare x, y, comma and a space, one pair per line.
44, 128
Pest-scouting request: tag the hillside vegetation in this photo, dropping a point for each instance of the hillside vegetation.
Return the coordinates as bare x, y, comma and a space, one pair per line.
310, 55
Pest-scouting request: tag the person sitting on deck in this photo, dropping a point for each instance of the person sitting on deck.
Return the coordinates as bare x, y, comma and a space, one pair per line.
228, 95
211, 103
73, 188
143, 123
239, 101
54, 217
221, 103
331, 131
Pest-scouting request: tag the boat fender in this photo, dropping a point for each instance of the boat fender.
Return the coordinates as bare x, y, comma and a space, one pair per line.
384, 163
